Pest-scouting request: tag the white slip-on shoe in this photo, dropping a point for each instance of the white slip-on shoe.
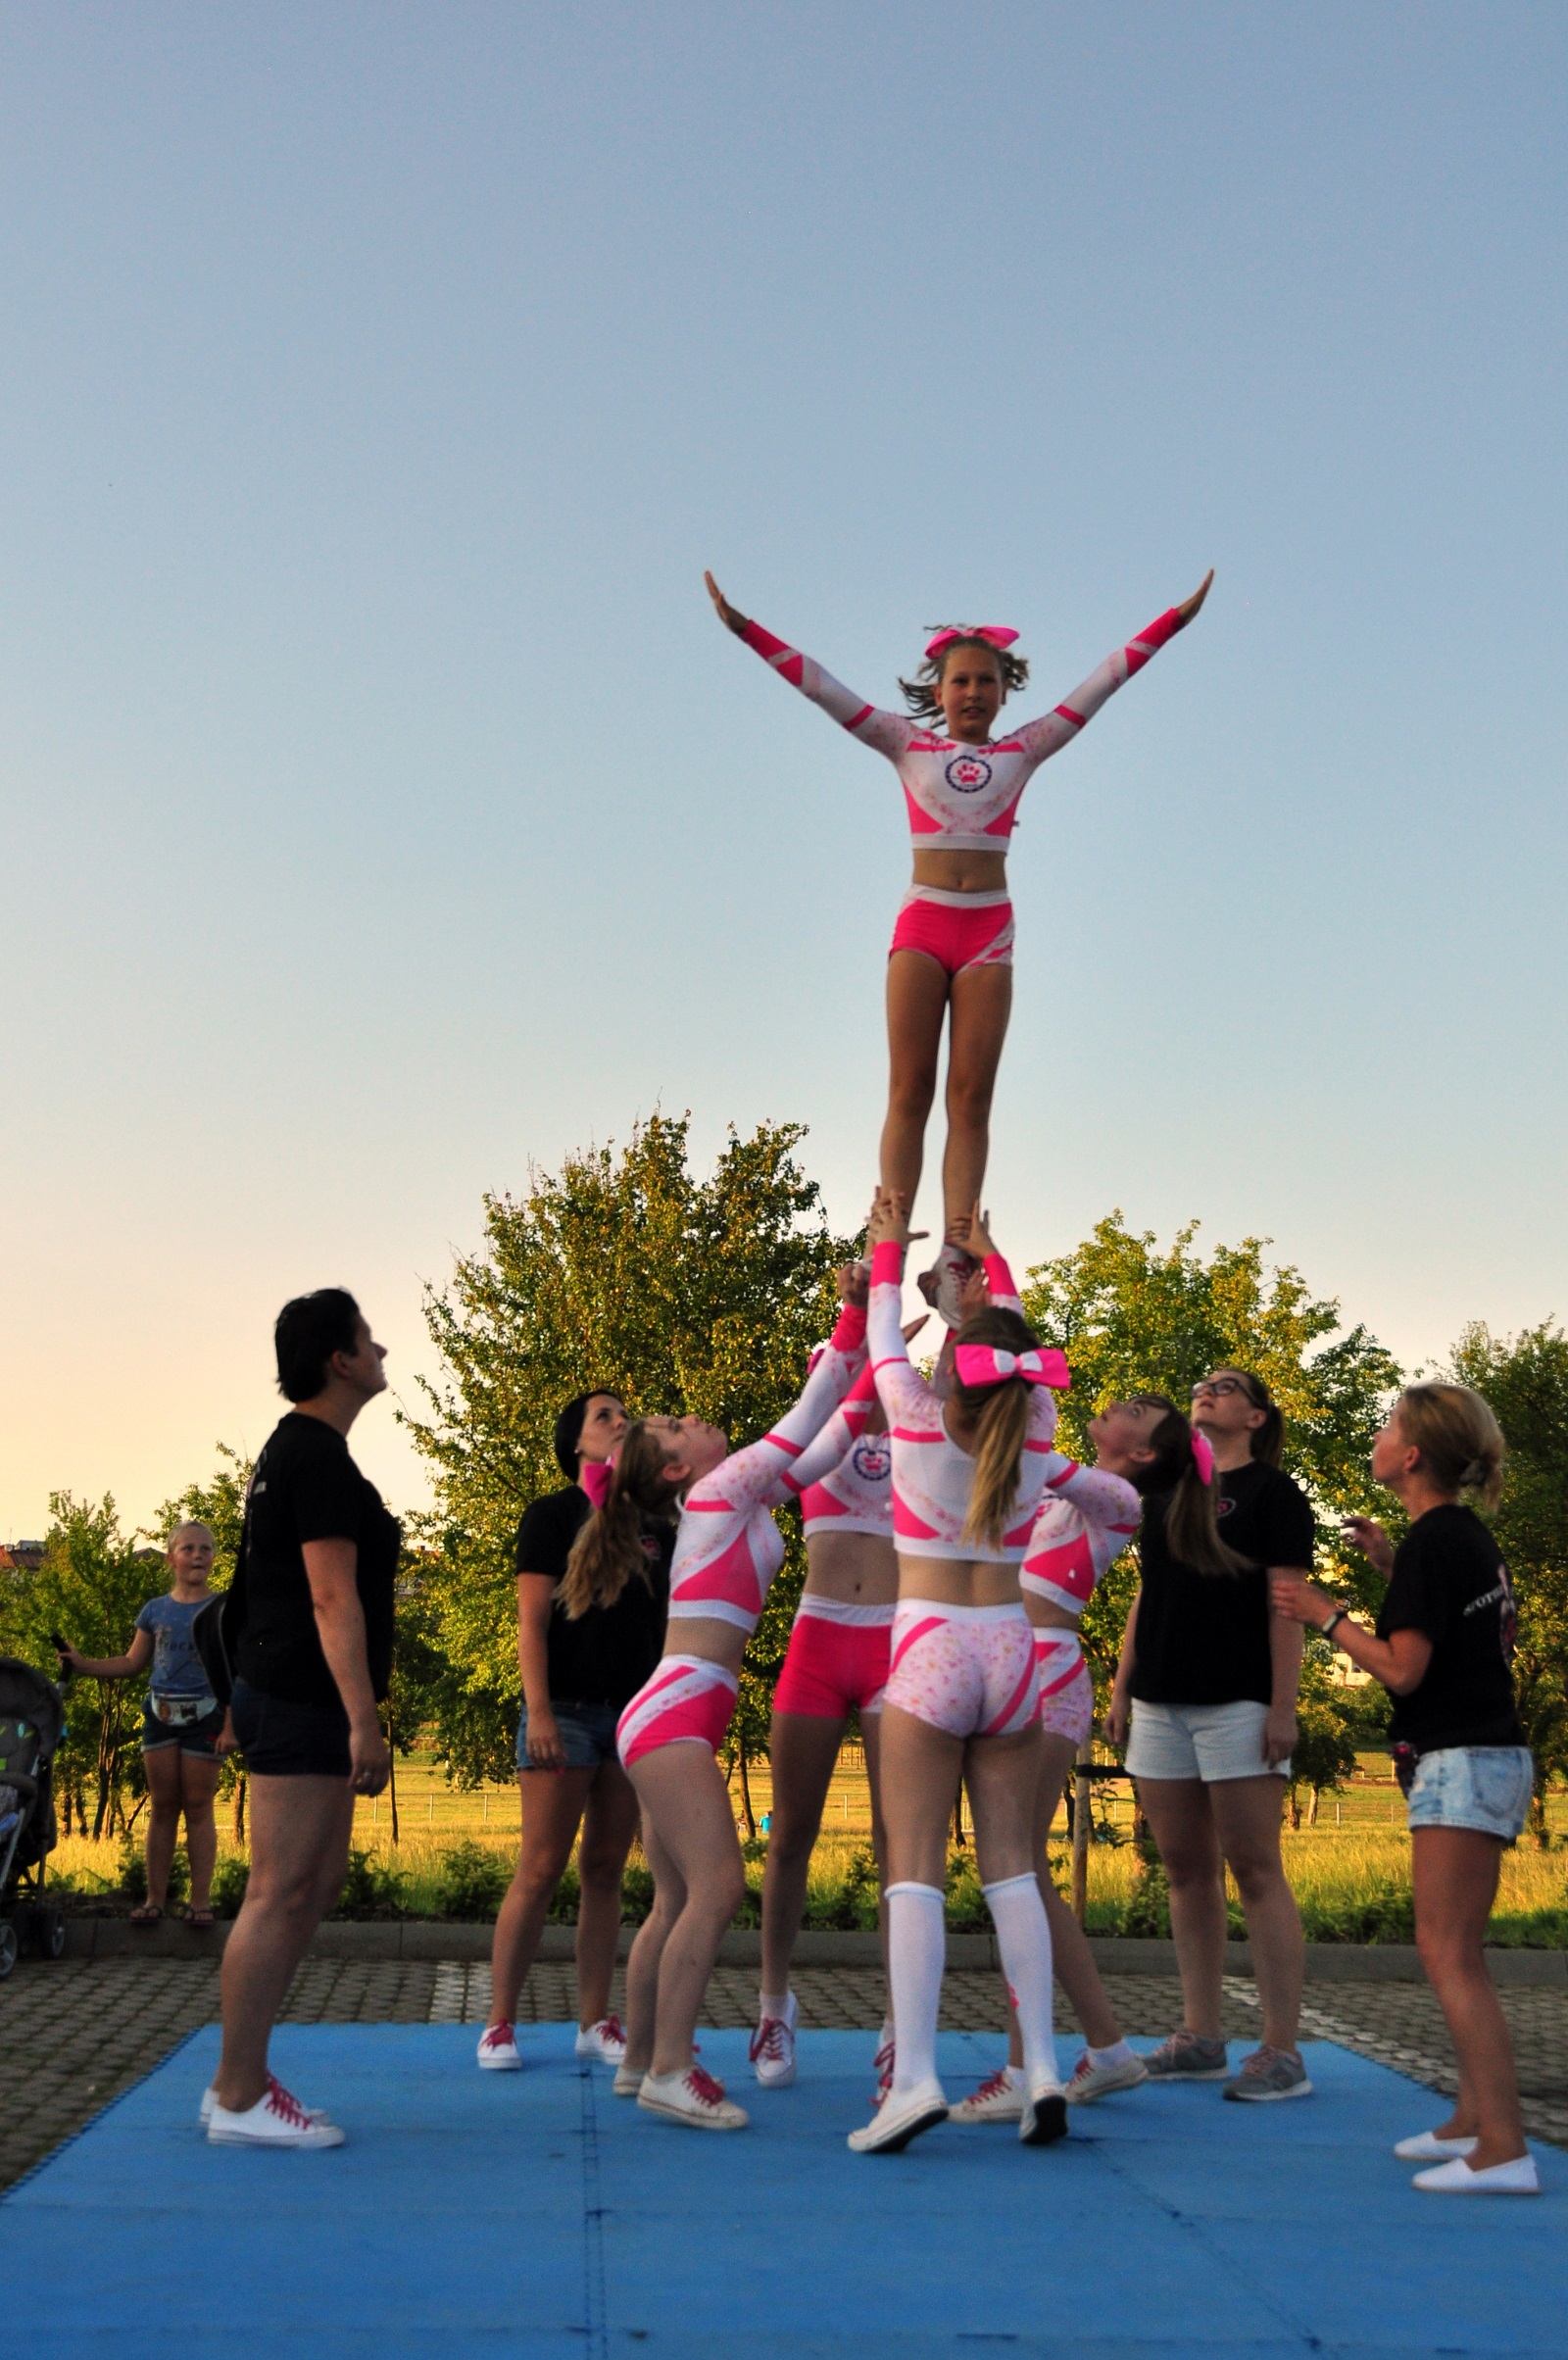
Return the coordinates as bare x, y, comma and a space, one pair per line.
1517, 2177
1427, 2147
901, 2117
1088, 2080
772, 2051
276, 2120
204, 2112
498, 2048
692, 2097
628, 2080
999, 2099
1044, 2119
605, 2041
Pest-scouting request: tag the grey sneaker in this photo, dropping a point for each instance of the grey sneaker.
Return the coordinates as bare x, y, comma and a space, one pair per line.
1185, 2057
1269, 2073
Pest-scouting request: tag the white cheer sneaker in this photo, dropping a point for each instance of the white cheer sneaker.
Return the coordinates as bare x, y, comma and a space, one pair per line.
692, 2097
1088, 2080
999, 2099
605, 2041
276, 2120
204, 2112
901, 2117
498, 2048
628, 2080
1045, 2112
772, 2051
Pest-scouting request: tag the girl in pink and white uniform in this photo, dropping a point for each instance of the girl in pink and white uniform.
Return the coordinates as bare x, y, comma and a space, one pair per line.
952, 950
963, 1696
727, 1551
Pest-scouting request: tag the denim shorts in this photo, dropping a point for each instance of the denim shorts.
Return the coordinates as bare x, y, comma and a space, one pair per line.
196, 1738
587, 1733
1485, 1787
1208, 1742
281, 1739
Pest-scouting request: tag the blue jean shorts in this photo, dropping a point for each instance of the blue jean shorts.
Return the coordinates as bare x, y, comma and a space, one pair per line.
1485, 1787
587, 1732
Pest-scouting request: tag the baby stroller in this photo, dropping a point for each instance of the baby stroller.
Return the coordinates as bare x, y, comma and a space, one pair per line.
31, 1724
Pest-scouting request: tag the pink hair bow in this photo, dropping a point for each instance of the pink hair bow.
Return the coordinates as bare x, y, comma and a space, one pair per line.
1203, 1457
595, 1478
990, 1364
997, 635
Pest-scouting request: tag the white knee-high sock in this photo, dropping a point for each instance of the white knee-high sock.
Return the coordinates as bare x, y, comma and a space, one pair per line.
1023, 1936
917, 1952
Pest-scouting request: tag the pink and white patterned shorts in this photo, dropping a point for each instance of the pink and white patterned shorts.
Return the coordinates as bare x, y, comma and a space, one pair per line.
1067, 1690
968, 1670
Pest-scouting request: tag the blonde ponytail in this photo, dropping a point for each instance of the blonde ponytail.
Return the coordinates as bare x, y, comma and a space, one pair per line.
1458, 1437
608, 1549
1000, 1418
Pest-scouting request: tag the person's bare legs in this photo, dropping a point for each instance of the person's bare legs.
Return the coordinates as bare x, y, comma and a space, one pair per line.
1183, 1827
647, 1951
1247, 1820
1456, 1873
553, 1803
803, 1751
687, 1812
1074, 1961
198, 1784
609, 1822
982, 1002
871, 1742
161, 1770
917, 1002
300, 1830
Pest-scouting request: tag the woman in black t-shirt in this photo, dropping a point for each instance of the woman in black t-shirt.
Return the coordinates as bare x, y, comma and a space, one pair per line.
1204, 1703
582, 1664
1442, 1650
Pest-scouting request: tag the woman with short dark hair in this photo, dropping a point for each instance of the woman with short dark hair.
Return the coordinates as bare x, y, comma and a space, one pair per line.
581, 1660
318, 1563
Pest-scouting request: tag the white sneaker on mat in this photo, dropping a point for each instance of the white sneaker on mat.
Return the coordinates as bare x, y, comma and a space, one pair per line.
204, 2112
772, 2051
276, 2120
605, 2041
1090, 2081
1427, 2147
1045, 2112
692, 2097
999, 2099
901, 2117
630, 2080
498, 2048
1516, 2178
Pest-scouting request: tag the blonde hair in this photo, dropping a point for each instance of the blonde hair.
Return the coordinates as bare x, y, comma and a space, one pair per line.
608, 1549
1460, 1439
1000, 1415
191, 1524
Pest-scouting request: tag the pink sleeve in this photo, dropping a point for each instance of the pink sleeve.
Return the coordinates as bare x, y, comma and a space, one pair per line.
1000, 1285
886, 732
1043, 738
898, 1381
1106, 1508
760, 1476
839, 1435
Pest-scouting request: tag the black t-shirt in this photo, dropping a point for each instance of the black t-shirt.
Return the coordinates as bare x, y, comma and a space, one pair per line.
1449, 1582
606, 1655
306, 1488
1202, 1638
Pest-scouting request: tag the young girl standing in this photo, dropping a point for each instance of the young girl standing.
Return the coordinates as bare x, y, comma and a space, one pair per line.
952, 952
1442, 1650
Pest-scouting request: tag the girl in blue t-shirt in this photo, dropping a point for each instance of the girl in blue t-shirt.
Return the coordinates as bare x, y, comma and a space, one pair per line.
185, 1731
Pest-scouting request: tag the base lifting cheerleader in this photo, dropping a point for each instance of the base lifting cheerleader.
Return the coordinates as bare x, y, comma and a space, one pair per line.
952, 951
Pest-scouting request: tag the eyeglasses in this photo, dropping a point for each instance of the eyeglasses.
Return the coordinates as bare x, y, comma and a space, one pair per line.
1219, 1387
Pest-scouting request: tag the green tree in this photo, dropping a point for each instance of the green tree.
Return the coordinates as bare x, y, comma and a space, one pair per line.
626, 1270
1525, 1378
218, 1505
1324, 1755
1135, 1318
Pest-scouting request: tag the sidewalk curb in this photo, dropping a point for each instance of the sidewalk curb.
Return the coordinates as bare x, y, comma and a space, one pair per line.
414, 1939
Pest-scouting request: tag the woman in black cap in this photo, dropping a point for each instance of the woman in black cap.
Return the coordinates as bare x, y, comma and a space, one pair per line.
581, 1665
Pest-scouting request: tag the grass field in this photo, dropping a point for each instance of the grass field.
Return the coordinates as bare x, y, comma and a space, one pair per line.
1350, 1873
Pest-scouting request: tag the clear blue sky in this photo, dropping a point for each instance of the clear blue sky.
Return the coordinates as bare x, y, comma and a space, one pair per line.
383, 806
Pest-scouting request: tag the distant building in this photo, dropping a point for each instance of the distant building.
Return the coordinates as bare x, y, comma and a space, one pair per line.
20, 1556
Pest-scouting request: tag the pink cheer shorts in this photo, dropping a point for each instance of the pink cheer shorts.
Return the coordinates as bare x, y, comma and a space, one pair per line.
837, 1660
688, 1700
1067, 1690
968, 1670
956, 929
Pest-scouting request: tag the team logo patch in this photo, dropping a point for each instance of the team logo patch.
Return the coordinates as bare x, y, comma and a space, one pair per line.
967, 773
872, 1461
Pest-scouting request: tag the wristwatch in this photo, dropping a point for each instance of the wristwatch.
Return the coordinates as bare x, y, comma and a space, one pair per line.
1337, 1617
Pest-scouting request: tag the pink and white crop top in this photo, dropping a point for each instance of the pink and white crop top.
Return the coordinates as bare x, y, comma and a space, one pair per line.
1086, 1520
857, 1495
932, 1478
961, 797
728, 1547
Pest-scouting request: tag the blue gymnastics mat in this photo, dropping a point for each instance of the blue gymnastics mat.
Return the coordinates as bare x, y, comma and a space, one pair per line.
535, 2216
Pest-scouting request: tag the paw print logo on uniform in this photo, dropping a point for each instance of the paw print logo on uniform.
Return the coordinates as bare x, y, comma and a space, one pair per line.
967, 773
872, 1458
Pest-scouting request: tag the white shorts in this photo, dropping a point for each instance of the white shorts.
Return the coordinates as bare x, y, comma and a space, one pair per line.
1209, 1742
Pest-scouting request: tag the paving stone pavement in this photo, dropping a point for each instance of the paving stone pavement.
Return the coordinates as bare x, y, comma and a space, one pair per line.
75, 2034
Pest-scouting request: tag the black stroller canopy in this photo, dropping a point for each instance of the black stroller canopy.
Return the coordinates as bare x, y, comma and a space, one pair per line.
27, 1695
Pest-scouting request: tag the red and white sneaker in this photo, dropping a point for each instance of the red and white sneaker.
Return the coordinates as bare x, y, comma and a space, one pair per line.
204, 2112
276, 2120
999, 2099
498, 2048
772, 2051
605, 2042
692, 2097
1090, 2081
